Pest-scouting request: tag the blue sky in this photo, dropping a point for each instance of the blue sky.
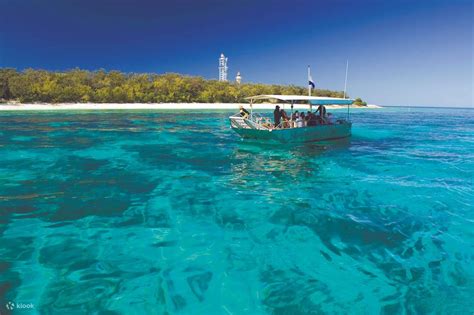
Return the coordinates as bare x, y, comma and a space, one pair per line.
400, 52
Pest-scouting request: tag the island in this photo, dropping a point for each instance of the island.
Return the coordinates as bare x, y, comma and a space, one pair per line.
101, 89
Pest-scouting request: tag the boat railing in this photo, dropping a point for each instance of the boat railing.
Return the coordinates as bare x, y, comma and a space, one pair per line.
253, 121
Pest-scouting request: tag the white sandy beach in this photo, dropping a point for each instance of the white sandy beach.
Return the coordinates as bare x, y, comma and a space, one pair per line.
156, 106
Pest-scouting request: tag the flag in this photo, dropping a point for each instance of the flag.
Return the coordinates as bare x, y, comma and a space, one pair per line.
310, 81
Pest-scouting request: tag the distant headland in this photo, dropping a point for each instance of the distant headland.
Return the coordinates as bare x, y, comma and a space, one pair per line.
99, 87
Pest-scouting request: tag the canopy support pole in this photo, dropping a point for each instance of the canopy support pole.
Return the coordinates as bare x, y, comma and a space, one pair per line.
251, 109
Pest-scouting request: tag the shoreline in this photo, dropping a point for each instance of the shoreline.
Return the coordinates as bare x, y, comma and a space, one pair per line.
157, 106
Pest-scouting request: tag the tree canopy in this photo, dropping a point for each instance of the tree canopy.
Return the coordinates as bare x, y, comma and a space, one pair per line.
82, 86
358, 101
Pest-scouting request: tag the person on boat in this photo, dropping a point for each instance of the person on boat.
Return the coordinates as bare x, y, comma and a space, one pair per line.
277, 116
266, 122
307, 118
312, 120
243, 112
299, 122
322, 113
286, 119
330, 119
294, 116
303, 118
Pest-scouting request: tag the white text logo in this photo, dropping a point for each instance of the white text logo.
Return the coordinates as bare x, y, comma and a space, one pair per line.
11, 306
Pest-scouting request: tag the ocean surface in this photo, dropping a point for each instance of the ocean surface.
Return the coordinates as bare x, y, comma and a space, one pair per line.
149, 212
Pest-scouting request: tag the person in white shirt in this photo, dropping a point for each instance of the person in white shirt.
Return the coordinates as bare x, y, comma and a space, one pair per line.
299, 121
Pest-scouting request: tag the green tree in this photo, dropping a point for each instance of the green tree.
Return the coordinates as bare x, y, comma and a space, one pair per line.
6, 75
358, 101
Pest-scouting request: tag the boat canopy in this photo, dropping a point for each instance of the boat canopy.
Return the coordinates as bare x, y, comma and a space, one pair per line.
313, 100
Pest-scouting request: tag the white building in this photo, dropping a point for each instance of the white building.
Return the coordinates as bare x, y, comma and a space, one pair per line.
223, 68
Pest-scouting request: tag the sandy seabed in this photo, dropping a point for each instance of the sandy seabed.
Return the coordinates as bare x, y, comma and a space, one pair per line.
154, 106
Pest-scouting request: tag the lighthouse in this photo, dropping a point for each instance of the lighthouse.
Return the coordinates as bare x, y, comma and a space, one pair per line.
223, 68
238, 78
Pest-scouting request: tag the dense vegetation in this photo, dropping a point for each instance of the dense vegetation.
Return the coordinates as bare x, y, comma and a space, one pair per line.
81, 86
359, 102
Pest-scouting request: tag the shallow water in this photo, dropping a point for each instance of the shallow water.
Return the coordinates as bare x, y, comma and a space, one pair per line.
171, 213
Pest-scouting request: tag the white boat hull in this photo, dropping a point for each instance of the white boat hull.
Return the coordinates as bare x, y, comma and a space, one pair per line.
304, 134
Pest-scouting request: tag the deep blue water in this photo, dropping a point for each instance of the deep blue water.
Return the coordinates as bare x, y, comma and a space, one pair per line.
171, 213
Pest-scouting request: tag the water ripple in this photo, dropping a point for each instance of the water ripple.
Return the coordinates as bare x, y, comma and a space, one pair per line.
171, 213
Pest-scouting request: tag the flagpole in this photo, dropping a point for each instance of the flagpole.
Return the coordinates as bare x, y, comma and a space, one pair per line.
345, 88
309, 85
345, 82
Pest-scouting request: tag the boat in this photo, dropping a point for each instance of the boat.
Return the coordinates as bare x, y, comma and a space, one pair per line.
256, 126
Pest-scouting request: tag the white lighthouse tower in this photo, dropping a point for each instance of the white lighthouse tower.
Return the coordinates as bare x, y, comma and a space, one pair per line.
223, 68
238, 78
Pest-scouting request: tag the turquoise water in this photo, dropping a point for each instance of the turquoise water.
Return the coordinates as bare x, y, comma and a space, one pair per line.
171, 213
